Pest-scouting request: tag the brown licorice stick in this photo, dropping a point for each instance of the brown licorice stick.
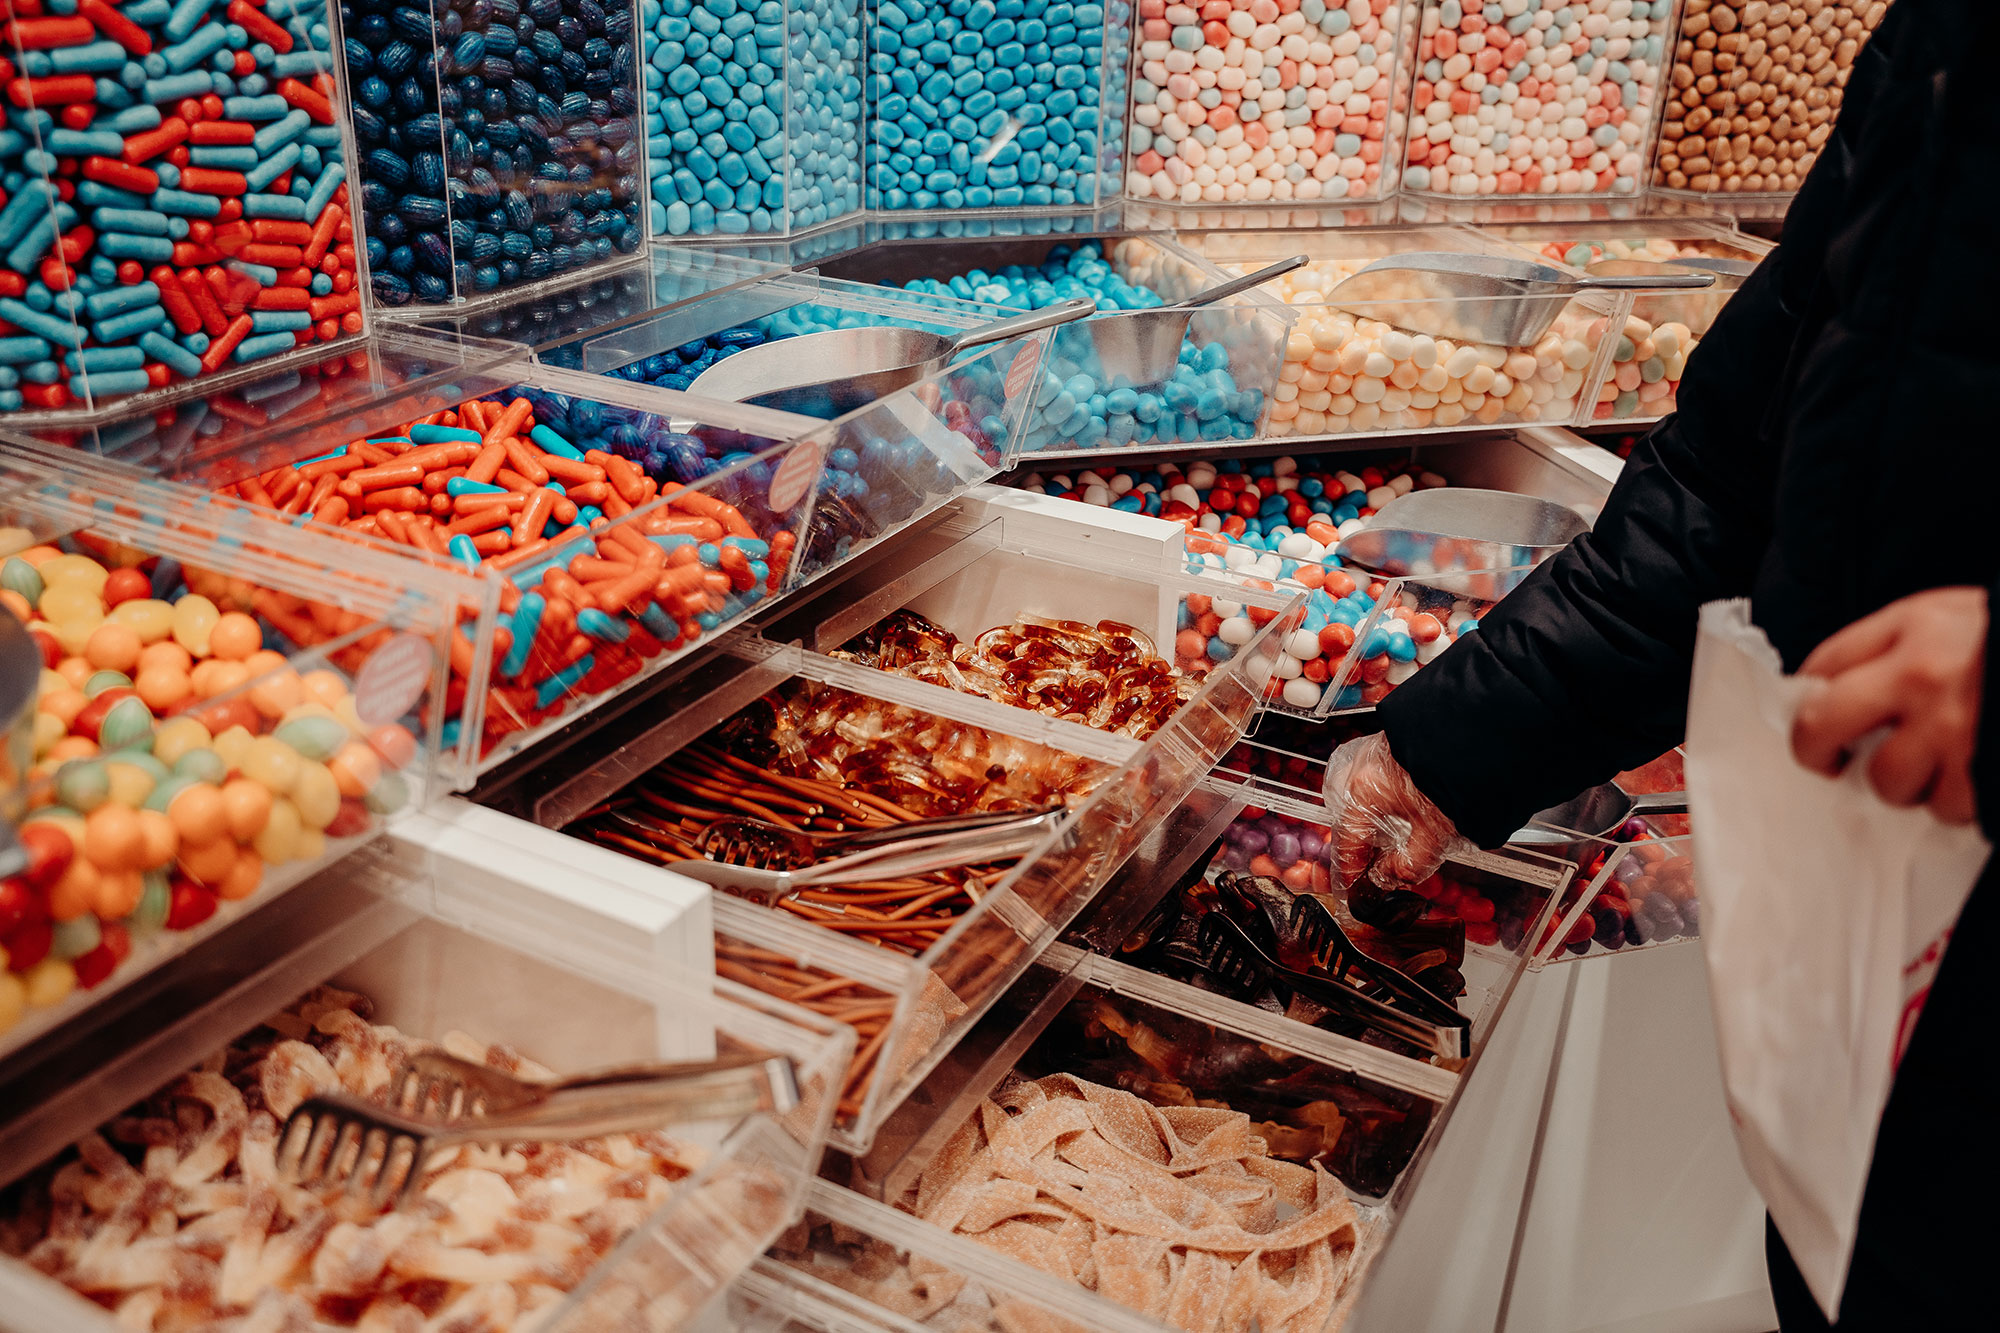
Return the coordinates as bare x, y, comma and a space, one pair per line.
842, 797
831, 986
730, 805
711, 775
864, 1063
756, 978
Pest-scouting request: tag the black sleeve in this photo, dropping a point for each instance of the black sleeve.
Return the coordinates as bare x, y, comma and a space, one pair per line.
1583, 670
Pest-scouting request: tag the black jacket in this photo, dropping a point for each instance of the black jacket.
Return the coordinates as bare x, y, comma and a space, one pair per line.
1834, 450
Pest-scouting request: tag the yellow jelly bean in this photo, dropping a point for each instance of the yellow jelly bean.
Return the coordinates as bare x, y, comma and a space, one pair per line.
50, 681
311, 845
271, 762
148, 617
279, 839
13, 1000
194, 618
49, 982
78, 570
316, 795
70, 601
48, 730
233, 745
176, 736
130, 784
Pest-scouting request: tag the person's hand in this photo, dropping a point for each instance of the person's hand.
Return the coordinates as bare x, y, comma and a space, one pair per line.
1915, 667
1385, 831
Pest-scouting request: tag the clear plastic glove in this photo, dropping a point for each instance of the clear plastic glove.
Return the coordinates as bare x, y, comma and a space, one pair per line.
1387, 836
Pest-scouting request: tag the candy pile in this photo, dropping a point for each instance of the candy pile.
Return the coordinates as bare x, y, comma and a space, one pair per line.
499, 141
677, 367
1344, 371
173, 197
1179, 1212
177, 757
1255, 100
1756, 86
1279, 521
1535, 96
721, 80
532, 485
1648, 899
1105, 675
989, 103
1216, 391
175, 1215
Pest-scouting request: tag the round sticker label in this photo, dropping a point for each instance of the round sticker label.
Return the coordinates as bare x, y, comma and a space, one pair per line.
392, 680
794, 475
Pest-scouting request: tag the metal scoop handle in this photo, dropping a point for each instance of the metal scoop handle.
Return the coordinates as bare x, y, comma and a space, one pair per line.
1646, 283
1062, 312
1237, 286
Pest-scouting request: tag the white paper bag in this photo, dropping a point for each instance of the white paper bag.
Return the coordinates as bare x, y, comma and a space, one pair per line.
1824, 913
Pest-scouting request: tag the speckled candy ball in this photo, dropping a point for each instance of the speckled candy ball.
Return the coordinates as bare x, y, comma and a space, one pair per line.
1266, 100
986, 103
1534, 96
499, 142
721, 77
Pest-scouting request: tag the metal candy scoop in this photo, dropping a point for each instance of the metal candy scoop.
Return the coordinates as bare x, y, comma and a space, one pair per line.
832, 373
1722, 268
1454, 530
1481, 298
1143, 346
1596, 813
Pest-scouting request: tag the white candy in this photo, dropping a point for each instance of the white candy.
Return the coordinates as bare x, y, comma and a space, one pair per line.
1236, 630
1302, 644
1226, 609
1096, 495
1186, 494
1286, 667
1240, 558
1301, 693
1298, 546
1400, 672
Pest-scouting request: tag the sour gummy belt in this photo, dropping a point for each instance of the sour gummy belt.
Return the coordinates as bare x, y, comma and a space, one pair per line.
175, 202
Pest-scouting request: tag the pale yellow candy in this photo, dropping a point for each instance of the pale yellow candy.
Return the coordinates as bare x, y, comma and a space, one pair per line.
50, 682
148, 617
49, 982
70, 601
234, 745
13, 1000
279, 840
194, 620
176, 736
72, 825
270, 761
311, 845
74, 634
130, 784
311, 708
316, 795
48, 730
78, 570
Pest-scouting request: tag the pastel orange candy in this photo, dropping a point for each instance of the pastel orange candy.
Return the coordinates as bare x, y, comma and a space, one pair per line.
208, 863
243, 876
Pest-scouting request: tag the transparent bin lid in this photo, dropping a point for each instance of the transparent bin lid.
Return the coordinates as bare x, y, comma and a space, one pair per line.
220, 714
1634, 887
654, 1224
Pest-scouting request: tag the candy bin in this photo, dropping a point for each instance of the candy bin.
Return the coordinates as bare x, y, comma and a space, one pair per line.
1753, 92
1663, 328
754, 116
1216, 391
1634, 886
219, 713
500, 143
177, 207
1534, 97
1257, 103
995, 105
633, 1229
1347, 372
1408, 624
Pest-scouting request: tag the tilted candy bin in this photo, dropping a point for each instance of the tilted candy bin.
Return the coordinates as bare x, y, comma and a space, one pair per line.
651, 1224
500, 143
177, 207
754, 117
1662, 329
1346, 371
1532, 97
995, 105
224, 708
1263, 104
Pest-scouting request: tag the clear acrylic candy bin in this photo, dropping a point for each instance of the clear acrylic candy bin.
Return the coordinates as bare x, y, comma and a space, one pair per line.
1662, 329
995, 107
1331, 103
1347, 372
498, 145
224, 709
571, 982
1634, 886
178, 203
754, 119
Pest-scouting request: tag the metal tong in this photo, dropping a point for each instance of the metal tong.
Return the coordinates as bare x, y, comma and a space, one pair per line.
439, 1101
916, 852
